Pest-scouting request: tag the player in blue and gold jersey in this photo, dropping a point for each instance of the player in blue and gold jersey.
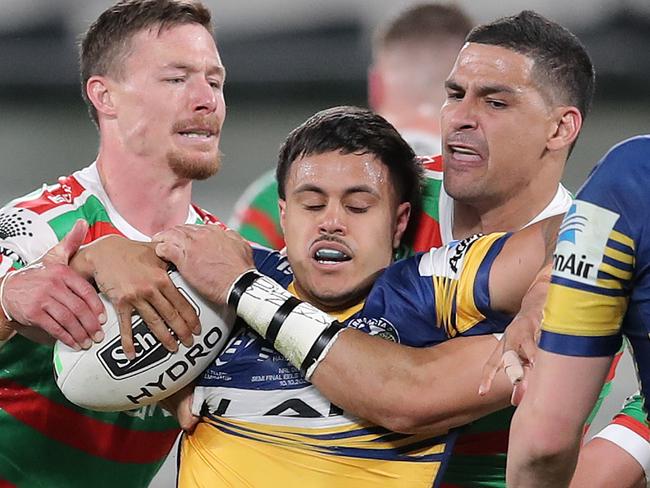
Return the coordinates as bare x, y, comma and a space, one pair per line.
599, 294
344, 212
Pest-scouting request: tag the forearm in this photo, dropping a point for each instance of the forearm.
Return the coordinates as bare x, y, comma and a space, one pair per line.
547, 427
401, 388
410, 389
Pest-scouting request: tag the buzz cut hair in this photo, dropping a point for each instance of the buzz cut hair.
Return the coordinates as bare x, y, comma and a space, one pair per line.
424, 22
562, 67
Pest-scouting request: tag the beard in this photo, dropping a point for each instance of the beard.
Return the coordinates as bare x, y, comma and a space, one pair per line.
199, 167
196, 164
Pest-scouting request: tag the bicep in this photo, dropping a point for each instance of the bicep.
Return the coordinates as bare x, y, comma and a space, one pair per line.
519, 262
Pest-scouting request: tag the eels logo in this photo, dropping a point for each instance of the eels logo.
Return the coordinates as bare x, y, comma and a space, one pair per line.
572, 224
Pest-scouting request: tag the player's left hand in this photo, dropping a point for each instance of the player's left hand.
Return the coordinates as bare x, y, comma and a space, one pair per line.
515, 351
209, 257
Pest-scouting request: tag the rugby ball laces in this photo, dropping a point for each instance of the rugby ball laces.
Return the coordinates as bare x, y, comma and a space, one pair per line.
102, 378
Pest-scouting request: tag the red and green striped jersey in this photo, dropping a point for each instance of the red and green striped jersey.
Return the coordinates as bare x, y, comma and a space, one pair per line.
479, 458
46, 441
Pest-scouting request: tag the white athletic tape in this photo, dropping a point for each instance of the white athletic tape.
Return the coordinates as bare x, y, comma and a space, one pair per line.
2, 295
299, 331
512, 366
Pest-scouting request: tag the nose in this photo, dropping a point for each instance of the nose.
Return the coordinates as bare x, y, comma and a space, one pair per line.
204, 96
333, 221
461, 115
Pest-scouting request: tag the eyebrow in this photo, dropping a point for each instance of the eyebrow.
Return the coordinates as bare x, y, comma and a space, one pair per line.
482, 90
307, 187
217, 69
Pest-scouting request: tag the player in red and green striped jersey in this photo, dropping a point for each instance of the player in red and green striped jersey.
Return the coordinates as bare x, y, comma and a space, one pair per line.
153, 81
517, 188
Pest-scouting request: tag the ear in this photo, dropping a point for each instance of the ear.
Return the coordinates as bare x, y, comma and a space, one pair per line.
98, 89
568, 122
282, 204
401, 222
375, 88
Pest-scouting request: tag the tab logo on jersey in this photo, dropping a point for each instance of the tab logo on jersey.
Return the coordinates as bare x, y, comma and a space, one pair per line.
149, 351
582, 241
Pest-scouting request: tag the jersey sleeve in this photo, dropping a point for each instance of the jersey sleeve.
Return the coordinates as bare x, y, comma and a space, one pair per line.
597, 259
24, 236
441, 294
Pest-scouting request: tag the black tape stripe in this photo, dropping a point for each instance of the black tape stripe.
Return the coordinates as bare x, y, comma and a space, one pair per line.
240, 287
319, 346
279, 317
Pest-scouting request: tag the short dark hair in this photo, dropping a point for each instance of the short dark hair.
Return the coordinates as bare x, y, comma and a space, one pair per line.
561, 62
434, 22
107, 41
354, 130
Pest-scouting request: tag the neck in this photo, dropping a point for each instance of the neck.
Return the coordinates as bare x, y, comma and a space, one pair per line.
145, 193
505, 215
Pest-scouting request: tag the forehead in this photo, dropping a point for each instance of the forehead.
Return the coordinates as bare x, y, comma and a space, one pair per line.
487, 64
182, 43
335, 171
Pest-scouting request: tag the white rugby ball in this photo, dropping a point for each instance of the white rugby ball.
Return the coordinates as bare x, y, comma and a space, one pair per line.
102, 378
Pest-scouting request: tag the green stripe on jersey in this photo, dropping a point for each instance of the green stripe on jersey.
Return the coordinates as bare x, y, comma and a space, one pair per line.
92, 211
62, 466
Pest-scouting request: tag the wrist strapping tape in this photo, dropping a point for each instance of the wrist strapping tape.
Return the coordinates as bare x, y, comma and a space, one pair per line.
299, 331
8, 317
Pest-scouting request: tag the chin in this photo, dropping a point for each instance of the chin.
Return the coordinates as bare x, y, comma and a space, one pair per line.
195, 168
337, 300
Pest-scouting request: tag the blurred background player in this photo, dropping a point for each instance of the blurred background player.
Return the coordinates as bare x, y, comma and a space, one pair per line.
153, 82
412, 56
598, 295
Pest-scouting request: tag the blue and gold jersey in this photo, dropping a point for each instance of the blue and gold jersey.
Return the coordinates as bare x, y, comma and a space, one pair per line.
600, 288
263, 424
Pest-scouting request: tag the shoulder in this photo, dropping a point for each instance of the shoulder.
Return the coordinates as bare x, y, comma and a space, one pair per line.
622, 173
29, 225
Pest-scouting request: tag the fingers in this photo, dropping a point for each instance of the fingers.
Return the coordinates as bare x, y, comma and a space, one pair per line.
512, 366
170, 251
159, 328
492, 366
52, 327
85, 303
182, 314
124, 312
71, 243
528, 350
69, 312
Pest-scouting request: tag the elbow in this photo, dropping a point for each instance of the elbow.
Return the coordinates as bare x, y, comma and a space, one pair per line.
413, 417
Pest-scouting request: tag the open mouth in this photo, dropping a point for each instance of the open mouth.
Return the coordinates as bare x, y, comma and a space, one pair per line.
328, 255
463, 150
196, 134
